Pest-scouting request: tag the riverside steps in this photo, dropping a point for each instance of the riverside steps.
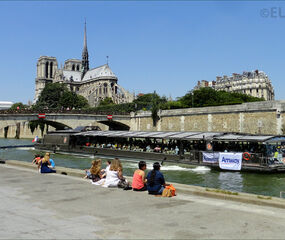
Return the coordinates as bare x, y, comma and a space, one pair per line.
66, 206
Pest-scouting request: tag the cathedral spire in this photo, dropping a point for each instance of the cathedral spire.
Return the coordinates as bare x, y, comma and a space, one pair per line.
85, 61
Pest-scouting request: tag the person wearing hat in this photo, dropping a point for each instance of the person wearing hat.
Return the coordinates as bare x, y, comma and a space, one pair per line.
155, 180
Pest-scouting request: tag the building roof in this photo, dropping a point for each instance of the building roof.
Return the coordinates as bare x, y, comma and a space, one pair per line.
102, 71
74, 75
218, 136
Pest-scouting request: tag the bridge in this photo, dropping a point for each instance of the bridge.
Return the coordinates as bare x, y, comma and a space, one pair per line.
20, 125
266, 117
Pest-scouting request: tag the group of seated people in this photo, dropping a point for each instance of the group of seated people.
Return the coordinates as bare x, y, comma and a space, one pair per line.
45, 163
112, 176
137, 148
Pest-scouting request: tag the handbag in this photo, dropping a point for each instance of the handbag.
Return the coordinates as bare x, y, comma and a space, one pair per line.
123, 183
172, 189
166, 192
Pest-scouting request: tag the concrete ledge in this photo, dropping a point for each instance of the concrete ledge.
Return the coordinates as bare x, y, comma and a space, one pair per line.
59, 170
181, 188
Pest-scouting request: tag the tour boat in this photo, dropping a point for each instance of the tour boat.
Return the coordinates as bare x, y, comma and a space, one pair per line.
222, 151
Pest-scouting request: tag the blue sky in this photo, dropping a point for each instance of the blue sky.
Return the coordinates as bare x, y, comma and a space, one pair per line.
163, 46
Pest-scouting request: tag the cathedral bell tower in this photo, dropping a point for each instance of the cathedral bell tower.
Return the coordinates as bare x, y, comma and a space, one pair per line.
85, 61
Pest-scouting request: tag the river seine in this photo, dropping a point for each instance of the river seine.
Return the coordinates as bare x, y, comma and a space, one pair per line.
263, 184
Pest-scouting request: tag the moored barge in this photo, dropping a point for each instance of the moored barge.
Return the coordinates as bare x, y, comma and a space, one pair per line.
222, 151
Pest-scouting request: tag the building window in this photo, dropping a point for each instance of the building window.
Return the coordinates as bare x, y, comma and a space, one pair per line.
46, 75
73, 67
105, 88
51, 68
77, 68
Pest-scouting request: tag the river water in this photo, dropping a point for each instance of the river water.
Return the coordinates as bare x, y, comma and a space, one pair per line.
263, 184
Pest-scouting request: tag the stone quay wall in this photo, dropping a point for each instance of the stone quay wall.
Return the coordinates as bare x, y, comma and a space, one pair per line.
256, 118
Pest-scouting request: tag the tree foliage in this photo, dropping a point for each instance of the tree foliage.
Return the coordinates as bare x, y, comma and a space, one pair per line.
57, 96
18, 105
106, 101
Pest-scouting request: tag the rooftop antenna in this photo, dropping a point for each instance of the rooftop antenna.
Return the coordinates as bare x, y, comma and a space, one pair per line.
107, 57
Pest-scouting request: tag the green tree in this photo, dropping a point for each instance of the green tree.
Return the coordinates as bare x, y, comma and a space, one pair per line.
72, 100
56, 96
50, 96
149, 98
18, 105
106, 101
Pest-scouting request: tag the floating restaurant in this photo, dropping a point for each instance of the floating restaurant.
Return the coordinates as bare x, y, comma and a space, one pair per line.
222, 151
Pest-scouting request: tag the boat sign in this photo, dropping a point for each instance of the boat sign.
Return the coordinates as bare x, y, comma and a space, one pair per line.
41, 115
109, 117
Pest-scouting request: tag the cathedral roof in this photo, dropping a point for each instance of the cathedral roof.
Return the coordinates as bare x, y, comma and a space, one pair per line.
102, 71
74, 75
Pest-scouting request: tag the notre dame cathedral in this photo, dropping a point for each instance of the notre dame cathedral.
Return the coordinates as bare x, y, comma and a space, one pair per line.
94, 84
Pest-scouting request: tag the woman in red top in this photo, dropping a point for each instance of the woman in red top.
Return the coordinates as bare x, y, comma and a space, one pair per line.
139, 180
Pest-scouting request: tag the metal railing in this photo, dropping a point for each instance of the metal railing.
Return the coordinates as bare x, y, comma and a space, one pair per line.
64, 111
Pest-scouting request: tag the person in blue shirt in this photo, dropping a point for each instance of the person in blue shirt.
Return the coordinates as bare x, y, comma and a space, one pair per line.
155, 180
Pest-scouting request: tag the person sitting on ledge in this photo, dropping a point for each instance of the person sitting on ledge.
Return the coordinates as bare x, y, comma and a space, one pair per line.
155, 180
52, 164
114, 174
94, 173
44, 163
36, 159
139, 180
104, 171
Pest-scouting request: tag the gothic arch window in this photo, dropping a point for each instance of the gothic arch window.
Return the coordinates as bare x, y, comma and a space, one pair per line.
46, 75
51, 70
100, 90
105, 88
77, 68
73, 67
116, 89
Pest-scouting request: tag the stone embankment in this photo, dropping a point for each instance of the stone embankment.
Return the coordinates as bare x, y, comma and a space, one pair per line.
182, 188
66, 206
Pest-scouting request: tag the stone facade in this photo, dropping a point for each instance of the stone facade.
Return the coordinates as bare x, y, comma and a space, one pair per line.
94, 84
254, 83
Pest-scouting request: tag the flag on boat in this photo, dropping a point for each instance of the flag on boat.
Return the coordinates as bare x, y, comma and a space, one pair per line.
35, 139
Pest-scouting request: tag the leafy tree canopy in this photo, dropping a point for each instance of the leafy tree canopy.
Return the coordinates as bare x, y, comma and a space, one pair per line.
106, 101
209, 97
18, 105
150, 98
57, 96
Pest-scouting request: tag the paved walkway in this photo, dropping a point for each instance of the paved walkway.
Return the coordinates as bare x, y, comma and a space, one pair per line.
58, 206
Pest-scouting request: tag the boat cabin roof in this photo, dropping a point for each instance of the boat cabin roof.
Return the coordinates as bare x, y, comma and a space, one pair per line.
216, 136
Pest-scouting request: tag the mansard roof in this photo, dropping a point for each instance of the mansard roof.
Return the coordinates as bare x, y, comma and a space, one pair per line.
102, 71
